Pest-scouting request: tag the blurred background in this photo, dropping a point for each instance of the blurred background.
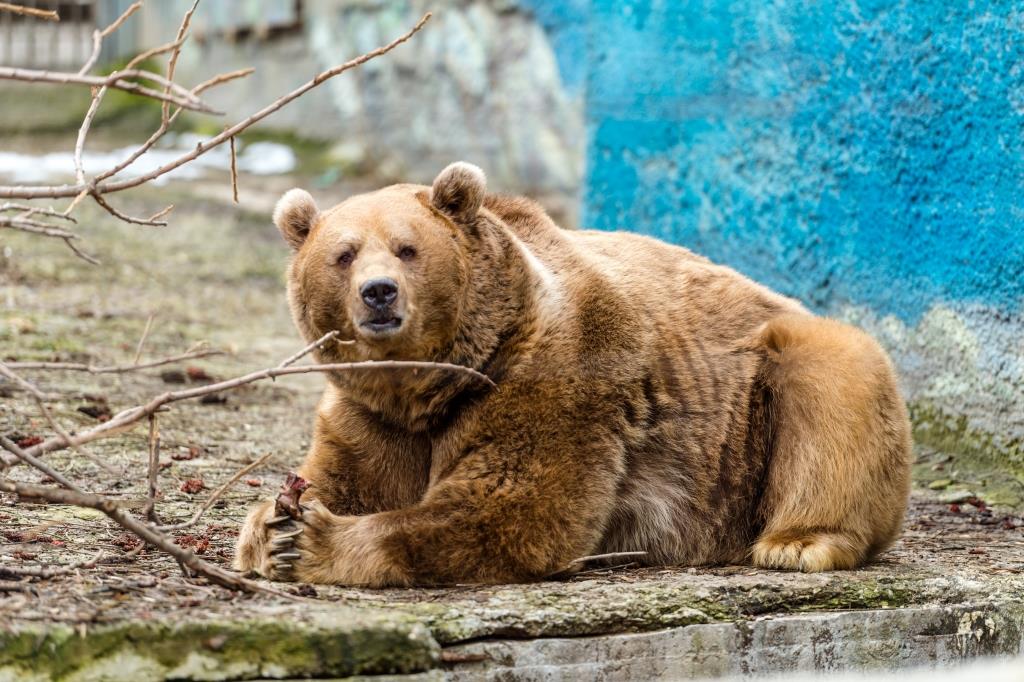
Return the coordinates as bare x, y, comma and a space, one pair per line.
866, 157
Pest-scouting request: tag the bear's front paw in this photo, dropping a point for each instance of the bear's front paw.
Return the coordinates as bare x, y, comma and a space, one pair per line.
266, 545
317, 555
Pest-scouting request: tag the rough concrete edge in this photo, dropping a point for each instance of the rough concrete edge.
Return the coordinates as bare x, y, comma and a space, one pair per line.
640, 607
865, 640
346, 639
332, 643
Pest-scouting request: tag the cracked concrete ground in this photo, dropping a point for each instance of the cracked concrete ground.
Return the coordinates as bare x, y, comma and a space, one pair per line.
950, 589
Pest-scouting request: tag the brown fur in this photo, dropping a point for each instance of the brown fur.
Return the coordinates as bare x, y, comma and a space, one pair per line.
646, 399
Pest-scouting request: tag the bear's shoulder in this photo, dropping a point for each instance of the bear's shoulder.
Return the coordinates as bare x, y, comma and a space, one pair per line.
517, 212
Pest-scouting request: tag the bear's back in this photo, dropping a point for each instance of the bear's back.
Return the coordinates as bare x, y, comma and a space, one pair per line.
655, 284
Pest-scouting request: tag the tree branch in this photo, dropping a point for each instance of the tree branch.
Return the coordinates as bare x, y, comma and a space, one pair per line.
106, 187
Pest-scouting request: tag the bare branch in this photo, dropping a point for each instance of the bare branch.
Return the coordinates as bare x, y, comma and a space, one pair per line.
220, 79
126, 419
120, 215
178, 96
234, 172
142, 340
14, 448
172, 61
36, 227
30, 211
65, 437
114, 369
46, 14
56, 191
149, 510
50, 571
81, 254
94, 56
309, 348
116, 24
210, 501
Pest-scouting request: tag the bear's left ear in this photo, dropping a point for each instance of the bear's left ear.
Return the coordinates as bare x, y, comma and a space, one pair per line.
294, 215
458, 191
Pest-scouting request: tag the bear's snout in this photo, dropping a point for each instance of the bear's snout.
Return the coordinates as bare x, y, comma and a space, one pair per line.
379, 293
380, 296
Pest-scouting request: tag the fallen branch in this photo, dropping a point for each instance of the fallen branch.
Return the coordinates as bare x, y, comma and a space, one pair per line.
150, 535
15, 449
113, 369
43, 572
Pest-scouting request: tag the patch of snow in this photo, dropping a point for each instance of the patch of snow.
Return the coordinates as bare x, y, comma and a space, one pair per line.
259, 158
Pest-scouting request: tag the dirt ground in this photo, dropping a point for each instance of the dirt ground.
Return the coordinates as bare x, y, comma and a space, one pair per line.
215, 275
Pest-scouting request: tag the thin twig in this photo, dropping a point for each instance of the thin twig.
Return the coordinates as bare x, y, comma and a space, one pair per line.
127, 218
47, 14
149, 510
179, 97
221, 79
44, 572
150, 535
292, 359
56, 191
142, 340
64, 436
172, 61
212, 499
36, 227
42, 466
609, 555
126, 419
30, 211
234, 171
113, 369
116, 24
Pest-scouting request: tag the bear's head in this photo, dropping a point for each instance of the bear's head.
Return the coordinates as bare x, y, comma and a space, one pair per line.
388, 269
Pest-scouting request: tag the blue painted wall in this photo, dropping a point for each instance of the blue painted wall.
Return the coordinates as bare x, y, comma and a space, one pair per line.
865, 157
867, 152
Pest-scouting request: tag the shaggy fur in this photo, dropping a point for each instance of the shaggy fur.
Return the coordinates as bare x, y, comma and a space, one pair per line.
646, 399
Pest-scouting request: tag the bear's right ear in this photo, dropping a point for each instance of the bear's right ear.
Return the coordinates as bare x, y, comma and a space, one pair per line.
459, 191
294, 215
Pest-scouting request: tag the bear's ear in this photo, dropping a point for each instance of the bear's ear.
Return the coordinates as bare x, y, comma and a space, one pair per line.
458, 191
294, 215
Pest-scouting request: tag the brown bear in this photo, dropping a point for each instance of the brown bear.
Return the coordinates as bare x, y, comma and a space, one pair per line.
644, 399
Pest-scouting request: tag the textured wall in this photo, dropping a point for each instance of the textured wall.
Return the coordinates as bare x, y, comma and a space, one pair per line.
864, 157
495, 82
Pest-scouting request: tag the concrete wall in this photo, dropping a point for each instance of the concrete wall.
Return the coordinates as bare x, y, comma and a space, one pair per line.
488, 81
867, 158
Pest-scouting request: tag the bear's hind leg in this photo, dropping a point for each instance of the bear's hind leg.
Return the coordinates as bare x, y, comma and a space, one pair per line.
838, 479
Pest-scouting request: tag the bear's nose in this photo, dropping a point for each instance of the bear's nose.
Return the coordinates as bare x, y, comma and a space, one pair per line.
379, 293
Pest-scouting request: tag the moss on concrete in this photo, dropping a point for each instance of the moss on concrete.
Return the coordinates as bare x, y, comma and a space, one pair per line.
973, 461
218, 649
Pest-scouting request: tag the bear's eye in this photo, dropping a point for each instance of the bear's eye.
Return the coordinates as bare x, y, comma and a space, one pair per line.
407, 253
346, 258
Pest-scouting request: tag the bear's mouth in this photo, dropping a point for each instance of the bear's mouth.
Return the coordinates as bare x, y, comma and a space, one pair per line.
382, 324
